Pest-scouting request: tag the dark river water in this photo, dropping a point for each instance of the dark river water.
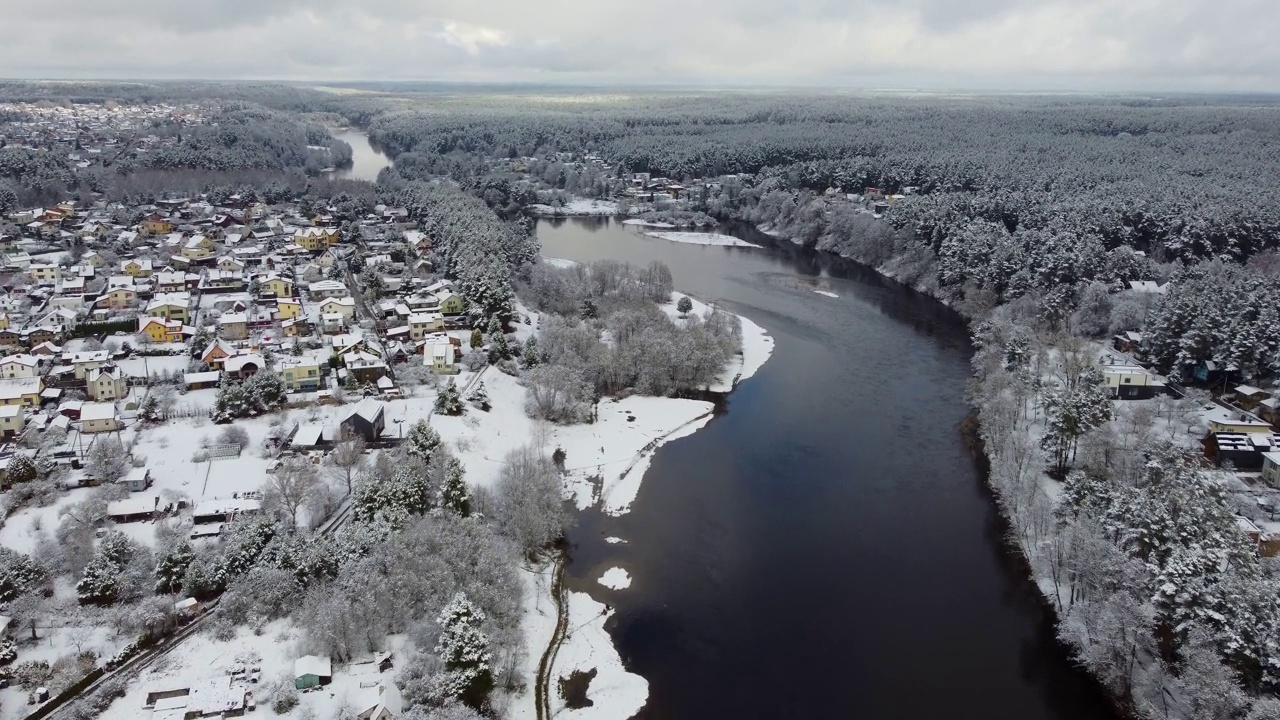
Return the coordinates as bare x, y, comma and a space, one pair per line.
825, 547
366, 160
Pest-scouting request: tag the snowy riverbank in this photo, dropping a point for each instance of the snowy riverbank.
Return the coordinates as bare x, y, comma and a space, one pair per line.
575, 208
605, 464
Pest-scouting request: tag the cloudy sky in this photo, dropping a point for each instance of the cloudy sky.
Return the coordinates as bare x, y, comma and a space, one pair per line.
990, 44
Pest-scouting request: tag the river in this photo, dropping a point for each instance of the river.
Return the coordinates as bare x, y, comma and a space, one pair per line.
366, 160
825, 547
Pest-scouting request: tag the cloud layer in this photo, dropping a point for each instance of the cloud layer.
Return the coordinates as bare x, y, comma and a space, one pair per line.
1014, 44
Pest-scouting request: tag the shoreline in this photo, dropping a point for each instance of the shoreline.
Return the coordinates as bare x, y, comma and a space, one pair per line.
611, 483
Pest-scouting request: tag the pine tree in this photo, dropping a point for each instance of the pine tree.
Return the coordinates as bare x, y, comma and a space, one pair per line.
480, 397
423, 441
150, 410
18, 574
477, 339
448, 401
684, 305
454, 495
531, 354
103, 578
464, 650
499, 347
21, 469
172, 568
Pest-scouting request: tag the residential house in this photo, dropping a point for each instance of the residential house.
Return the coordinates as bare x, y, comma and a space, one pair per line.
4, 321
1127, 380
216, 352
344, 306
156, 224
322, 289
243, 366
88, 360
94, 259
1249, 397
158, 330
366, 367
332, 323
300, 375
96, 417
12, 421
134, 509
1271, 468
316, 239
288, 308
450, 302
120, 298
229, 263
216, 281
380, 702
106, 384
20, 365
41, 334
297, 327
233, 326
171, 306
281, 287
439, 358
423, 324
170, 282
136, 267
367, 419
218, 510
21, 391
197, 248
44, 272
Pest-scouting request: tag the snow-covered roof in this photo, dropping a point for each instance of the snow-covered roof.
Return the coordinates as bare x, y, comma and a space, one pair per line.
97, 411
225, 506
134, 505
313, 665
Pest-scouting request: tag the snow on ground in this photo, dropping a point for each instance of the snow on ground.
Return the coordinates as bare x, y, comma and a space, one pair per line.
559, 262
202, 659
154, 365
579, 206
614, 692
605, 461
538, 623
646, 223
31, 525
615, 541
827, 293
757, 345
615, 579
700, 238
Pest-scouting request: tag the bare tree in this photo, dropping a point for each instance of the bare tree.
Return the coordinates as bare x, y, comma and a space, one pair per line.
289, 486
347, 460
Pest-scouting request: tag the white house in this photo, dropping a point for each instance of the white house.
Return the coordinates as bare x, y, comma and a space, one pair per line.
96, 417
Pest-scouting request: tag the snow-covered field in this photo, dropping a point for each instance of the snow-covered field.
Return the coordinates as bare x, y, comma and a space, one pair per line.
645, 223
699, 238
826, 293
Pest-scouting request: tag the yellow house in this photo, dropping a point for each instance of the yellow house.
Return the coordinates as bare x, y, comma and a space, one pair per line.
194, 250
451, 303
40, 272
300, 375
159, 330
136, 268
295, 327
172, 306
315, 239
1241, 425
21, 391
4, 321
230, 263
157, 225
423, 324
94, 259
278, 286
288, 309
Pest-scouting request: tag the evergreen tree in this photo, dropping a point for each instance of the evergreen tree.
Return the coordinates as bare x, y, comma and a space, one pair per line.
477, 338
394, 498
21, 469
448, 400
464, 650
454, 495
423, 441
172, 569
531, 354
18, 574
150, 410
684, 305
499, 348
103, 579
479, 397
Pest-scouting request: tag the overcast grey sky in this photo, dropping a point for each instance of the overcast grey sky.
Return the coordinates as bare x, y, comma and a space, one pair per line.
1013, 44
